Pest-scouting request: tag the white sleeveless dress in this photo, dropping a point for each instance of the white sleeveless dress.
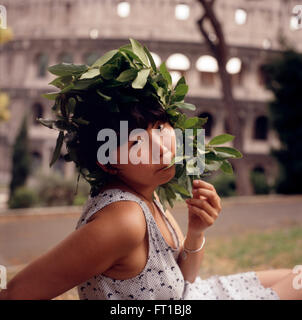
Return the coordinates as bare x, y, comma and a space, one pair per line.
161, 278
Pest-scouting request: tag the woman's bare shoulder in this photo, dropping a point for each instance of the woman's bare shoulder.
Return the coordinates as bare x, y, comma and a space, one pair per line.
125, 215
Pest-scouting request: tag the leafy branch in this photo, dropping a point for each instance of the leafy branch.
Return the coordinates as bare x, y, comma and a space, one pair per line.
131, 66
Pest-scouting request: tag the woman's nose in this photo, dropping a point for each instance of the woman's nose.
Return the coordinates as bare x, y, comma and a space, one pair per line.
165, 148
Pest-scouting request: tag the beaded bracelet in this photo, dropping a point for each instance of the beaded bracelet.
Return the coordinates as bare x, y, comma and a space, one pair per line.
185, 250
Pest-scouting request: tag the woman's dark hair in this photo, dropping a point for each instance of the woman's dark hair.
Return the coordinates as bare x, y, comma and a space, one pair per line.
138, 109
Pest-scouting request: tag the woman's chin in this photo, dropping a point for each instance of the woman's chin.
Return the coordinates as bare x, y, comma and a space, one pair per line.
167, 174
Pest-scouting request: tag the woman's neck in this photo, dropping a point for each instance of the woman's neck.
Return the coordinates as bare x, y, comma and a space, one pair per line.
144, 191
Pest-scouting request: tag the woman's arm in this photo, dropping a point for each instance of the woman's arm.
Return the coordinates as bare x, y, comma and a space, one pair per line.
190, 267
204, 210
88, 251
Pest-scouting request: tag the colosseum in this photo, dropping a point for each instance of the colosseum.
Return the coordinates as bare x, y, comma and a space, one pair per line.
48, 32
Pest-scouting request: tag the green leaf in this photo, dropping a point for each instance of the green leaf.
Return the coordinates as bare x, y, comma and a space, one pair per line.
165, 73
127, 46
46, 122
61, 125
182, 80
91, 73
230, 151
221, 139
226, 167
58, 147
80, 121
193, 122
61, 82
213, 166
169, 195
108, 71
181, 90
86, 83
153, 65
129, 54
51, 95
179, 170
71, 104
65, 69
141, 79
105, 58
180, 189
67, 88
140, 52
184, 105
107, 98
213, 157
127, 75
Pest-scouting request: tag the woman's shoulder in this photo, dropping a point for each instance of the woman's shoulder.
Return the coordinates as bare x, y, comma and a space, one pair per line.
127, 216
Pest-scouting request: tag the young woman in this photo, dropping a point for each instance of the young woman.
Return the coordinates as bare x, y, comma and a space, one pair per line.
126, 246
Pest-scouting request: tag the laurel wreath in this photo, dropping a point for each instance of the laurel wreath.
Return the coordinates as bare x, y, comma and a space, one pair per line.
131, 65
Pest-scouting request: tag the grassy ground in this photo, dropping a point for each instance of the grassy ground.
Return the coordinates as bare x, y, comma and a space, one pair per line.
278, 248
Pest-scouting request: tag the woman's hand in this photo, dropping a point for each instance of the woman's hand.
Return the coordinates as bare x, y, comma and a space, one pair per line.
204, 207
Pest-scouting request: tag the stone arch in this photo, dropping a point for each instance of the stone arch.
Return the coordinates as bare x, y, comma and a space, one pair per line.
178, 64
259, 181
235, 68
42, 64
208, 68
260, 131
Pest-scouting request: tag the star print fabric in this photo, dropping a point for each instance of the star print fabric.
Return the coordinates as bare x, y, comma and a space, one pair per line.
161, 278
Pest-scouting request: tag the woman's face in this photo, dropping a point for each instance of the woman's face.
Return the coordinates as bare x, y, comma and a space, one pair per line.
155, 149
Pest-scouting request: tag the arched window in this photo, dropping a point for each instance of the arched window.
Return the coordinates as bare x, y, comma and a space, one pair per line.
259, 169
261, 75
65, 57
177, 64
42, 64
240, 16
261, 128
208, 68
123, 9
91, 57
209, 124
37, 111
182, 11
235, 69
178, 61
259, 181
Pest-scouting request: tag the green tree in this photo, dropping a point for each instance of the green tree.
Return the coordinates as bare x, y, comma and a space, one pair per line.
283, 76
20, 159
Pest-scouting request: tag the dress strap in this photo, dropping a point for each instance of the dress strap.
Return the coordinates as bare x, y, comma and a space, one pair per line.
106, 197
